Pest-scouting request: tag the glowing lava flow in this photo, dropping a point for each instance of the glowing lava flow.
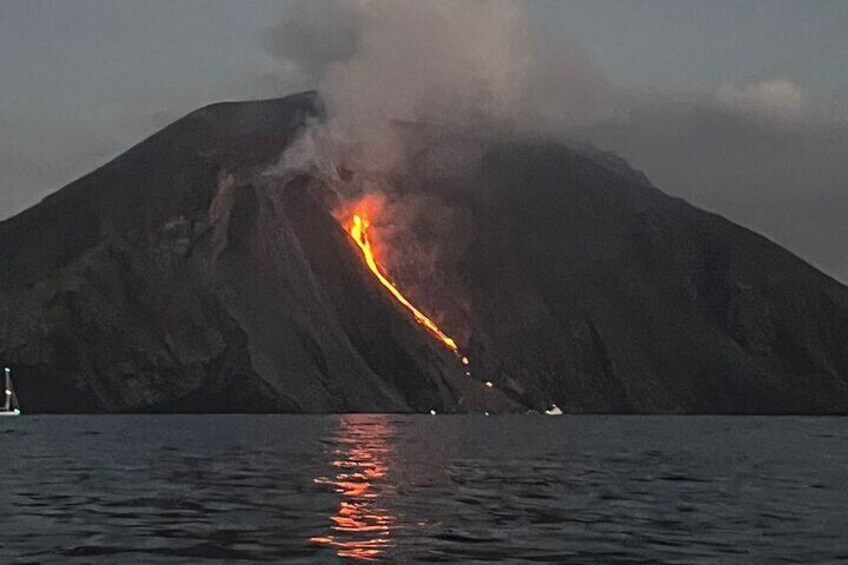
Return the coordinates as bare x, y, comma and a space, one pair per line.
358, 230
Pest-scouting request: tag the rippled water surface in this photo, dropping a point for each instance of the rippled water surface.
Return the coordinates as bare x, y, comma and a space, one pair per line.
408, 489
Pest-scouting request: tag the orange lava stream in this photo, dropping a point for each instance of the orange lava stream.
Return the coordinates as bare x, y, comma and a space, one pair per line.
358, 230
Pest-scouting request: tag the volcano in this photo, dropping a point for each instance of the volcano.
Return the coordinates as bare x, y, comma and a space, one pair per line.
180, 277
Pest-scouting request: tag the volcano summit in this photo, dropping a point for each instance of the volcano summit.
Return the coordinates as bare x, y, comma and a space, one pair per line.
183, 277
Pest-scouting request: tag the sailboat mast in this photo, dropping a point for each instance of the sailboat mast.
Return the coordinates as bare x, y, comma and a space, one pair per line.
8, 388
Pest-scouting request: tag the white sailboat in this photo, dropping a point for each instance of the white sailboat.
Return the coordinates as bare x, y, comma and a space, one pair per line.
554, 411
11, 407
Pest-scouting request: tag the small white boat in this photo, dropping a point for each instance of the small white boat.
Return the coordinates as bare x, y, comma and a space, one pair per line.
554, 411
11, 407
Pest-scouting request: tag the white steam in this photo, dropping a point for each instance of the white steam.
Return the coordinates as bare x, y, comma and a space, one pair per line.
472, 65
454, 63
397, 80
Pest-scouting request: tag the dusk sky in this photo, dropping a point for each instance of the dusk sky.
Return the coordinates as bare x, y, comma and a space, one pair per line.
740, 107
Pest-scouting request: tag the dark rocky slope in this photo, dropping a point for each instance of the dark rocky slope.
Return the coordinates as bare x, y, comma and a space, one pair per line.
161, 283
176, 278
602, 292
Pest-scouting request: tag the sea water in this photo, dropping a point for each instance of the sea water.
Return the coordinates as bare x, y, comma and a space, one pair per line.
429, 489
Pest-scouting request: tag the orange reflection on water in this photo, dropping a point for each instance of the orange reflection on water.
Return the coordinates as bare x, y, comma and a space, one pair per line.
361, 526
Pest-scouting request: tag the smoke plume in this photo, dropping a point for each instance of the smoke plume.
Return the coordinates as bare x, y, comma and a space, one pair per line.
450, 62
764, 153
401, 81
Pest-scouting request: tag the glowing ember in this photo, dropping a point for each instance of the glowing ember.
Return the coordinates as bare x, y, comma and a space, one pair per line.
358, 230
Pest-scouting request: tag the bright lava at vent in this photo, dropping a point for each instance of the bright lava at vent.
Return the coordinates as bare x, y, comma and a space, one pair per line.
358, 230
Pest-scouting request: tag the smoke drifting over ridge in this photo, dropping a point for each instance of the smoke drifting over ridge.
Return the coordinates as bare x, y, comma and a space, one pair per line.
766, 153
402, 84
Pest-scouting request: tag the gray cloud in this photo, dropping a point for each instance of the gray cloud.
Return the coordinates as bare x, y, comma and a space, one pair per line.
768, 157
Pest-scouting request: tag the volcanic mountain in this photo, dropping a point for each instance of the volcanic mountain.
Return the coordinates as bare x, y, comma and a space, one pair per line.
182, 277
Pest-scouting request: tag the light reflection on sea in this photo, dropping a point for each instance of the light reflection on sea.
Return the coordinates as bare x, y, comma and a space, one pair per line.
410, 489
362, 525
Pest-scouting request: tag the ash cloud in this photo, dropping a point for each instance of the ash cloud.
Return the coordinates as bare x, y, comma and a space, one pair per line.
401, 82
385, 67
446, 62
767, 154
